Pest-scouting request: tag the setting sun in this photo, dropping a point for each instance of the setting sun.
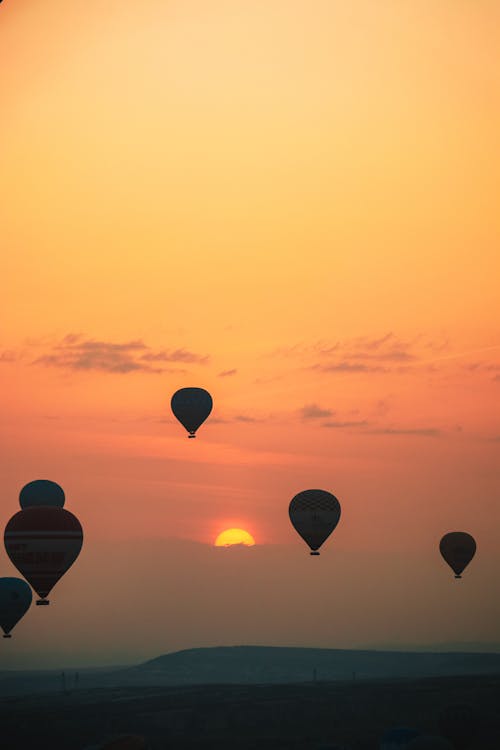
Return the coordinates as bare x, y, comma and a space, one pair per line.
234, 536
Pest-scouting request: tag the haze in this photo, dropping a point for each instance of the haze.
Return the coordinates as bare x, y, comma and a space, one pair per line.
295, 206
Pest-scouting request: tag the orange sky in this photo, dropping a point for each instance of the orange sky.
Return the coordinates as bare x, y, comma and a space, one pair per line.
293, 205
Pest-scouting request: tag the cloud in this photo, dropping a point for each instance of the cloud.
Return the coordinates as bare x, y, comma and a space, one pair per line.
313, 411
8, 356
244, 418
77, 353
345, 366
344, 425
227, 373
176, 355
363, 354
420, 431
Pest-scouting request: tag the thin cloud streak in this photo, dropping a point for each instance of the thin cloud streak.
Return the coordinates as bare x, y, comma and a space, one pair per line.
79, 354
313, 411
419, 431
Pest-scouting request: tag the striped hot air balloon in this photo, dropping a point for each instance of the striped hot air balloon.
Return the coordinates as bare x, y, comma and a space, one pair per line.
43, 543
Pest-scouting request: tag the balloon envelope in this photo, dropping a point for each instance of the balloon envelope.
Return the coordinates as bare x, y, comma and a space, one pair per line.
191, 406
314, 515
15, 600
41, 492
43, 543
457, 548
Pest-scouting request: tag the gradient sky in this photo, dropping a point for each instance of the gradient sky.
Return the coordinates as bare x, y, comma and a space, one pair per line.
294, 205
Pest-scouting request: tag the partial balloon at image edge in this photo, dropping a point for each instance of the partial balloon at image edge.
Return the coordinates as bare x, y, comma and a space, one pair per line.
15, 600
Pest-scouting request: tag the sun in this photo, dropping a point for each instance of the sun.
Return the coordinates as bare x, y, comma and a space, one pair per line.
234, 536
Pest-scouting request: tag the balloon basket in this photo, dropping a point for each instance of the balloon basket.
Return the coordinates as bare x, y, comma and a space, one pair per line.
43, 602
458, 576
314, 554
7, 635
191, 436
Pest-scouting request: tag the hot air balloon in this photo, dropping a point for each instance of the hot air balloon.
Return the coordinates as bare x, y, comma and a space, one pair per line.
15, 600
41, 492
397, 738
458, 548
314, 515
43, 543
191, 406
459, 724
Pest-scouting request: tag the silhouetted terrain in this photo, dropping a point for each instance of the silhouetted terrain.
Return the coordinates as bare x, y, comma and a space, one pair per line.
256, 664
307, 715
259, 665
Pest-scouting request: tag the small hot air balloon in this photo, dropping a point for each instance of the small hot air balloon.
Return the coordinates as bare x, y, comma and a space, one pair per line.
41, 492
15, 600
314, 515
458, 548
43, 543
191, 406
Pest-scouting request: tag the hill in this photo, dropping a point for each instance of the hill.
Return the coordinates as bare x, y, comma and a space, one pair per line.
258, 665
265, 665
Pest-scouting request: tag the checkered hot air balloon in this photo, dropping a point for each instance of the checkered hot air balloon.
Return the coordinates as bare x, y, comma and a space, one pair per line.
314, 515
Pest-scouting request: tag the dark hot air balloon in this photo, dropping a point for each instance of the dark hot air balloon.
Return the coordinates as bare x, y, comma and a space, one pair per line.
314, 515
191, 406
15, 600
41, 492
458, 548
43, 543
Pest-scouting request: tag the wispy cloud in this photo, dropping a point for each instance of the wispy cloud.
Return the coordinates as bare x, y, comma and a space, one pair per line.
313, 411
419, 431
227, 373
358, 355
345, 425
8, 356
75, 352
176, 355
346, 366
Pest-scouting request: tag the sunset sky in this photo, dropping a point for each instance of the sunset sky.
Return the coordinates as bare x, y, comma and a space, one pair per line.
293, 204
